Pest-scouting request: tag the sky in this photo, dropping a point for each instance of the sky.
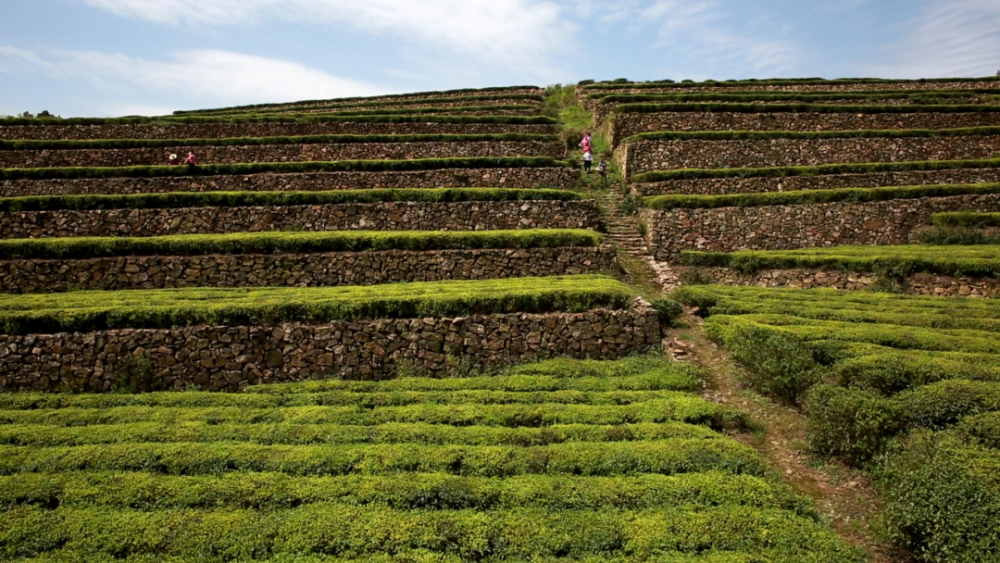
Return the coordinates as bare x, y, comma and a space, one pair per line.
151, 57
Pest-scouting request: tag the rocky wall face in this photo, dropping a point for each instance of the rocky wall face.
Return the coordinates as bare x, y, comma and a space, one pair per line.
918, 284
583, 93
230, 358
625, 125
230, 130
299, 270
392, 216
782, 227
648, 156
515, 178
723, 186
279, 153
536, 104
409, 98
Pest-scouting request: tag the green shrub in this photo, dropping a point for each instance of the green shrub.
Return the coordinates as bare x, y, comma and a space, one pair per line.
941, 499
851, 424
669, 311
88, 311
943, 404
811, 135
800, 108
966, 219
893, 371
955, 236
81, 248
415, 165
736, 84
916, 96
981, 429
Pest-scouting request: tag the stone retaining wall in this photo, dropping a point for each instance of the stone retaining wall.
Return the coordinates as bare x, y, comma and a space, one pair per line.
647, 156
722, 186
624, 125
401, 98
280, 153
781, 227
230, 358
561, 178
230, 130
299, 270
918, 284
536, 104
583, 93
391, 216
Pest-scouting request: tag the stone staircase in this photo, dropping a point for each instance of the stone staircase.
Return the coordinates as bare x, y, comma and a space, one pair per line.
623, 231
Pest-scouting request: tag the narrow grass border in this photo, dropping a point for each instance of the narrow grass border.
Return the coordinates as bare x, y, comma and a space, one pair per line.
822, 170
84, 248
173, 200
376, 104
807, 197
966, 219
802, 108
89, 311
779, 82
770, 135
602, 98
416, 165
388, 116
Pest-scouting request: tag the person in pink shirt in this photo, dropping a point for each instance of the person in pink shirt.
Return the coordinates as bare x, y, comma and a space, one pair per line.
191, 160
586, 144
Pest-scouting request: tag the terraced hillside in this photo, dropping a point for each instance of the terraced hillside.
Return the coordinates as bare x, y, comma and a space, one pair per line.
569, 461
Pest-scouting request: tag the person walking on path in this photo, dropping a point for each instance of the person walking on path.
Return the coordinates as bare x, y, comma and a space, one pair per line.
588, 161
602, 169
588, 155
587, 143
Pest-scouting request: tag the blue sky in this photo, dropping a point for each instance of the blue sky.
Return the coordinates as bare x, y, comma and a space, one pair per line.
120, 57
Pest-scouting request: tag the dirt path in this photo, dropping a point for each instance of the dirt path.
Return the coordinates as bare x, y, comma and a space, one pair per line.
843, 496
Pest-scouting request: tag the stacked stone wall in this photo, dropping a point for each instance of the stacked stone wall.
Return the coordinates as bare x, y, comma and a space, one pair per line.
781, 227
230, 358
388, 100
299, 270
515, 178
723, 186
648, 156
625, 125
918, 284
390, 216
231, 130
280, 153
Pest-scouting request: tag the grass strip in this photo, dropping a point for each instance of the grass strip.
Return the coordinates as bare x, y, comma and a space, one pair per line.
82, 248
822, 170
88, 311
419, 491
813, 197
966, 219
418, 97
801, 108
507, 99
80, 172
751, 97
709, 296
894, 261
683, 407
332, 434
421, 115
331, 529
600, 459
986, 81
173, 200
86, 144
811, 135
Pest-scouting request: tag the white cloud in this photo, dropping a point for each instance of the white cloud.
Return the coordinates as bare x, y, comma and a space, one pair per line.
514, 34
946, 39
206, 77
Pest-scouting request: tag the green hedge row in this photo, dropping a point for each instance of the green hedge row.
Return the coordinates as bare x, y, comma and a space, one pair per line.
88, 311
82, 248
952, 236
331, 434
823, 170
174, 200
812, 197
750, 97
781, 82
689, 409
893, 261
966, 219
422, 115
485, 93
421, 491
941, 497
805, 135
519, 99
604, 459
416, 165
514, 535
259, 141
708, 296
801, 108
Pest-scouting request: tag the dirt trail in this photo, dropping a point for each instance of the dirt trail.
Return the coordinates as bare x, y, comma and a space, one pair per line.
843, 495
